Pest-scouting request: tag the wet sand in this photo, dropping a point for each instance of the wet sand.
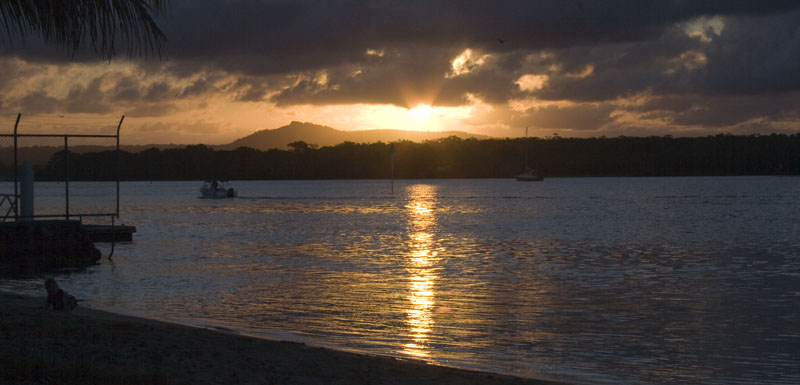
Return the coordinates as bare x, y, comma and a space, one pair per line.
87, 346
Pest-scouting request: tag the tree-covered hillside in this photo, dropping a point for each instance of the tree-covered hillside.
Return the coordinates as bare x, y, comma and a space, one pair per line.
450, 158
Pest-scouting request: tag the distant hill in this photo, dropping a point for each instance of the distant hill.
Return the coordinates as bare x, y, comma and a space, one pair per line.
260, 140
327, 136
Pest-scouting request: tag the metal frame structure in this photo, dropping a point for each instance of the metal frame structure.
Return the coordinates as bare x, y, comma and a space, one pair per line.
14, 199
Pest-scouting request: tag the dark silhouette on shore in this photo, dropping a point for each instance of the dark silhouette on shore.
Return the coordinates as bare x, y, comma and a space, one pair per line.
57, 298
452, 157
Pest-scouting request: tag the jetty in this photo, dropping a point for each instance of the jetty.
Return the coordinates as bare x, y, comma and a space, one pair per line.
35, 239
108, 233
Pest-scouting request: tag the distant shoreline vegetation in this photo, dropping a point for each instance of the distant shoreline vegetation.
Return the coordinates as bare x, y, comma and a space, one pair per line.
451, 157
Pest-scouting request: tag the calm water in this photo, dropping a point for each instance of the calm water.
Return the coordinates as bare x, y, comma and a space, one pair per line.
602, 280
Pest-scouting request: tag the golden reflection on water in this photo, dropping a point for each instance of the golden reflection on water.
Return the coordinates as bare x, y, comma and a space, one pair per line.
421, 268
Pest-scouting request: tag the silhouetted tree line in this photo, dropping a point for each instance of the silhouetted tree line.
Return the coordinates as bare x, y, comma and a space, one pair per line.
448, 158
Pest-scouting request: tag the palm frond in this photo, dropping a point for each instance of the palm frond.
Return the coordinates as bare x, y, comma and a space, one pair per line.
73, 23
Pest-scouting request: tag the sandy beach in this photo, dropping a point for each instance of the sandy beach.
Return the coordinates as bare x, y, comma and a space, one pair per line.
90, 346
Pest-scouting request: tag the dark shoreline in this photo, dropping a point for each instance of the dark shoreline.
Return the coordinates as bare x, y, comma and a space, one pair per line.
98, 347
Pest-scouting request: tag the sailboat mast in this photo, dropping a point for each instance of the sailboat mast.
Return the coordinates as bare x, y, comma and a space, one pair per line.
526, 149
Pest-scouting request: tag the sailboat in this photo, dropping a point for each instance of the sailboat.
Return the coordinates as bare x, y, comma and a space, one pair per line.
530, 174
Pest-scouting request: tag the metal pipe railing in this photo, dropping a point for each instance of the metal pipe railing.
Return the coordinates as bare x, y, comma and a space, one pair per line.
12, 202
14, 199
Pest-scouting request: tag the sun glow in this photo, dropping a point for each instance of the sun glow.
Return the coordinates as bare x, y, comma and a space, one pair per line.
420, 111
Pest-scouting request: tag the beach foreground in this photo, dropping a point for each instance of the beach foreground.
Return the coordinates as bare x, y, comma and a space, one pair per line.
95, 347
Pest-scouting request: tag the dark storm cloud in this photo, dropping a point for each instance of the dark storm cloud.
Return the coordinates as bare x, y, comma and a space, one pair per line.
35, 89
252, 93
577, 117
126, 90
249, 89
287, 36
730, 110
750, 56
38, 103
9, 71
76, 100
159, 91
632, 48
282, 36
315, 52
754, 55
151, 109
198, 87
619, 70
398, 77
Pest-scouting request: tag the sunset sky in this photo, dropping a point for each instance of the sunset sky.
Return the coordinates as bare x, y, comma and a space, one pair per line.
571, 67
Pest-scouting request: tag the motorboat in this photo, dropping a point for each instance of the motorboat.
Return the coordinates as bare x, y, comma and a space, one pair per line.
217, 189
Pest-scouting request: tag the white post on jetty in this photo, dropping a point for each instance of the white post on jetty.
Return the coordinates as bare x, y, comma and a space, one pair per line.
26, 192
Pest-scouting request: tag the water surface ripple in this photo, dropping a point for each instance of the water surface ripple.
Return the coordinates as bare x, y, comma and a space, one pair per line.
601, 280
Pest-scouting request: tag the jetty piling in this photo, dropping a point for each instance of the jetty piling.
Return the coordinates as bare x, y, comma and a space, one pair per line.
26, 192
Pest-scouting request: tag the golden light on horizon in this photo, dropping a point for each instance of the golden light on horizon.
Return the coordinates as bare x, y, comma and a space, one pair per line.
420, 111
420, 117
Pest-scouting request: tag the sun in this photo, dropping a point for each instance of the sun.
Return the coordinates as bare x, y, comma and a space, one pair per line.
420, 111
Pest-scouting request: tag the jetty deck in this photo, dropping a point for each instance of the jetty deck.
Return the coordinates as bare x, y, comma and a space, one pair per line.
108, 233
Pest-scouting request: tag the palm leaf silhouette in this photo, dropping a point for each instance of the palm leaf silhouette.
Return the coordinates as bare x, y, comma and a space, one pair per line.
100, 23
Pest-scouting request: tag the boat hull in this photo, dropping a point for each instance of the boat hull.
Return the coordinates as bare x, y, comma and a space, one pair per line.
521, 178
528, 176
219, 193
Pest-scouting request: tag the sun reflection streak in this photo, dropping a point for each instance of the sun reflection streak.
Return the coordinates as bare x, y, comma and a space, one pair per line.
421, 260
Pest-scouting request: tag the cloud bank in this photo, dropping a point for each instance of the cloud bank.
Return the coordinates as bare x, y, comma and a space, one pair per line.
576, 67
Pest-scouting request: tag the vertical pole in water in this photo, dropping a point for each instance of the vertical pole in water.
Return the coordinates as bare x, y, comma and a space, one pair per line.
118, 126
16, 180
526, 150
113, 233
392, 174
391, 157
66, 173
26, 192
